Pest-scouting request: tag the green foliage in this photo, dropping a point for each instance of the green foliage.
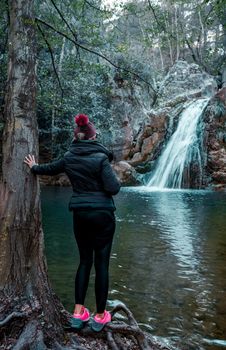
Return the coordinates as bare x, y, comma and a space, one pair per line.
146, 37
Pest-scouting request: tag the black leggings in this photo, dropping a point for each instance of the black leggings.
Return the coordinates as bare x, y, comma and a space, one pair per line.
94, 231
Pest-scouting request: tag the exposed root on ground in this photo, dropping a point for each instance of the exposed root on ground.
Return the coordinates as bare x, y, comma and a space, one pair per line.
120, 335
31, 338
11, 316
24, 330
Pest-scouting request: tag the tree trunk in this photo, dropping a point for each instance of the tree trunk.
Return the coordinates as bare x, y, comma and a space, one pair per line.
24, 287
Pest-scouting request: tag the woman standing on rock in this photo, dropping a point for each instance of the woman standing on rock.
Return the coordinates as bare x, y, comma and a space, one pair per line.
87, 165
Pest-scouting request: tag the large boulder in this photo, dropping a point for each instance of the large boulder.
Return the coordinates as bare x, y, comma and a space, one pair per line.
126, 173
150, 137
185, 79
123, 141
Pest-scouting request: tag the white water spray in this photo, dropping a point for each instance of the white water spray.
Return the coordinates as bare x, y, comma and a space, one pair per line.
182, 149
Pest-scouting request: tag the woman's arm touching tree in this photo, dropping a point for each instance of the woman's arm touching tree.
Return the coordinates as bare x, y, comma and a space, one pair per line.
53, 168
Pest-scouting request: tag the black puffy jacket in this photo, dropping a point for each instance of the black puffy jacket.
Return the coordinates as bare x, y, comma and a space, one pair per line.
87, 165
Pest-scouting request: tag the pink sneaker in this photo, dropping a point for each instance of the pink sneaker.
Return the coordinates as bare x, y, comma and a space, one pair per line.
84, 316
98, 323
79, 320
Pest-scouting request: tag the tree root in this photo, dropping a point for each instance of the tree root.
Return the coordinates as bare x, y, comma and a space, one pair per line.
117, 335
111, 341
123, 336
131, 329
124, 308
11, 316
73, 346
31, 338
121, 341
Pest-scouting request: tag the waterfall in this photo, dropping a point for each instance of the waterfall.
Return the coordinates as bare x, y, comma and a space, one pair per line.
182, 150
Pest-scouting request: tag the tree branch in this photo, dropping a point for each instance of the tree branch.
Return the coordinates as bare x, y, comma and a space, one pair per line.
52, 58
64, 20
162, 26
96, 8
155, 16
38, 20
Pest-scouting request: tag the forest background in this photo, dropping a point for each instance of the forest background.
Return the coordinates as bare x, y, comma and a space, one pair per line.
86, 47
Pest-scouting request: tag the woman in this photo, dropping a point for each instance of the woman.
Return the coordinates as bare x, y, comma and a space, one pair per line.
87, 165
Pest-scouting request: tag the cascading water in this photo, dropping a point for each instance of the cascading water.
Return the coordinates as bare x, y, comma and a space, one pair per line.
182, 150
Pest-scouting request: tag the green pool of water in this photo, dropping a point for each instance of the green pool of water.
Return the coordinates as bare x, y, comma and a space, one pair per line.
168, 261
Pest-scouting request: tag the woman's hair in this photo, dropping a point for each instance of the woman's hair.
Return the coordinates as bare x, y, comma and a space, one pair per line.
80, 136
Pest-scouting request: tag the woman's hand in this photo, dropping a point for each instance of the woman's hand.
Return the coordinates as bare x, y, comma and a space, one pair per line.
30, 160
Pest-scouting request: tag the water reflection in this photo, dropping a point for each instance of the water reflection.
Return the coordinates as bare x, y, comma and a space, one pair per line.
167, 263
181, 279
176, 217
180, 229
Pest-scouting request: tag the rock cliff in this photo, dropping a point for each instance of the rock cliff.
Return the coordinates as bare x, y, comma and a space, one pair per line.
215, 140
142, 130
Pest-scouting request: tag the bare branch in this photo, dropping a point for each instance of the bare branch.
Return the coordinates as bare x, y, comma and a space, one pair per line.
96, 8
52, 58
207, 15
155, 16
64, 20
95, 53
161, 25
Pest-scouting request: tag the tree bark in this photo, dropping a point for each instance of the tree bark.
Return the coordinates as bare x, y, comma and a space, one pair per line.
24, 285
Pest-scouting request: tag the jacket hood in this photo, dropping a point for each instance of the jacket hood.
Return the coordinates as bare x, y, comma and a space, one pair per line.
86, 147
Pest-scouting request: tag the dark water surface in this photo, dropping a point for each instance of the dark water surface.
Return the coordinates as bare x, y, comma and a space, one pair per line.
168, 261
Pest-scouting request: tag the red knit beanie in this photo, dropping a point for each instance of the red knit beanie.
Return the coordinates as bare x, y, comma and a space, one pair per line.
84, 126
